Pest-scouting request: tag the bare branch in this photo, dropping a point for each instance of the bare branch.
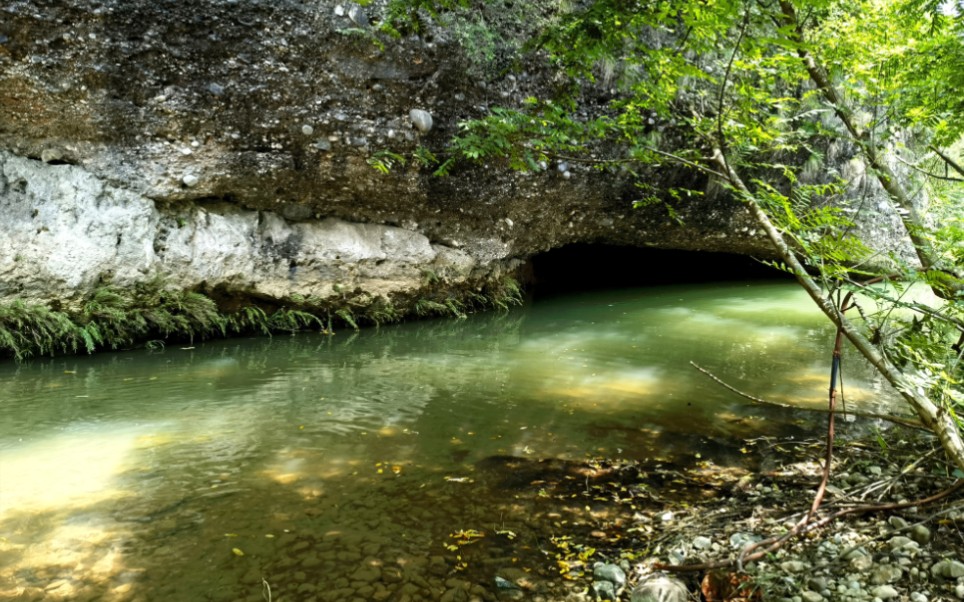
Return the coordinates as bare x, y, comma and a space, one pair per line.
947, 160
927, 173
908, 422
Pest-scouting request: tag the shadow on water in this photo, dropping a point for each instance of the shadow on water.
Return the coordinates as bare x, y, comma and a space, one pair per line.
338, 468
371, 534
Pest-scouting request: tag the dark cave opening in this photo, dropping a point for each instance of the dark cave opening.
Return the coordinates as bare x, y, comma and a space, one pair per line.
587, 267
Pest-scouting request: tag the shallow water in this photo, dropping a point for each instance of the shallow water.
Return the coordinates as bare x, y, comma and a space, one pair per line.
336, 467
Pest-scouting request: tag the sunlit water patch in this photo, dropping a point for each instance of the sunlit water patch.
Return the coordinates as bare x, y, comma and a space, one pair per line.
336, 468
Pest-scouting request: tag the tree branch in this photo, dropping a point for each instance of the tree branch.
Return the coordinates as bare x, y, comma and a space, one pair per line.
927, 173
932, 416
908, 422
909, 215
947, 160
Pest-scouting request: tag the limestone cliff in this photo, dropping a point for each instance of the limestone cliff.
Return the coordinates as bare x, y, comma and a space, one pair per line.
224, 146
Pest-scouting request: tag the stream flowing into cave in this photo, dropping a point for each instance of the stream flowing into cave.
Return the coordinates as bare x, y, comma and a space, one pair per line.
338, 467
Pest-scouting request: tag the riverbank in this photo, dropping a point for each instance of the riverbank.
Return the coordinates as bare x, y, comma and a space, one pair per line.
644, 518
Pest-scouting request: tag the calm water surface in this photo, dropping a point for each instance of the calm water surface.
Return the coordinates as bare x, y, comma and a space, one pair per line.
335, 468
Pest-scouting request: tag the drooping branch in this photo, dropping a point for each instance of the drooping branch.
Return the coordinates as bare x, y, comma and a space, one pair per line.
947, 160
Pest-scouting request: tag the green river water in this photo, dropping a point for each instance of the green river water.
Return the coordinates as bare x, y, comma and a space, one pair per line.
336, 467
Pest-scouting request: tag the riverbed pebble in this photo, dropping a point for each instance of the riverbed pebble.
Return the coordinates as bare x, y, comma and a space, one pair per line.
611, 573
948, 569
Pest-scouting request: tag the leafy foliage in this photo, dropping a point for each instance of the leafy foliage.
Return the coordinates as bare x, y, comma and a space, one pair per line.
753, 95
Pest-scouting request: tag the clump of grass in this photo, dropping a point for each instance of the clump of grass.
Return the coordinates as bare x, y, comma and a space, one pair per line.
119, 318
151, 314
427, 307
347, 315
504, 294
293, 320
27, 329
382, 311
249, 319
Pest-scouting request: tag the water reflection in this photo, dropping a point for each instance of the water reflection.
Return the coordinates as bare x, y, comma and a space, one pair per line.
144, 474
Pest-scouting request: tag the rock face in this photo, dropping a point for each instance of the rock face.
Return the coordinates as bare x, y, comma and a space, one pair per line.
227, 145
67, 232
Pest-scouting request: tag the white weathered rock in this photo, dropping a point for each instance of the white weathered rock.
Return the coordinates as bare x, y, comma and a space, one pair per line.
66, 232
611, 573
920, 534
794, 566
422, 120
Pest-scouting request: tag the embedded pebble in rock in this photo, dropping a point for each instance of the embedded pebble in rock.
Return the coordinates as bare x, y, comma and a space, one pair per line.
660, 588
190, 180
49, 155
307, 130
358, 16
949, 569
422, 120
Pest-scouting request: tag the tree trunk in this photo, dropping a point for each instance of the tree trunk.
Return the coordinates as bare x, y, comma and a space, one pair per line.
935, 418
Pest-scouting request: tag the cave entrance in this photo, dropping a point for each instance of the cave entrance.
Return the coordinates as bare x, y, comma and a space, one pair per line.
587, 267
